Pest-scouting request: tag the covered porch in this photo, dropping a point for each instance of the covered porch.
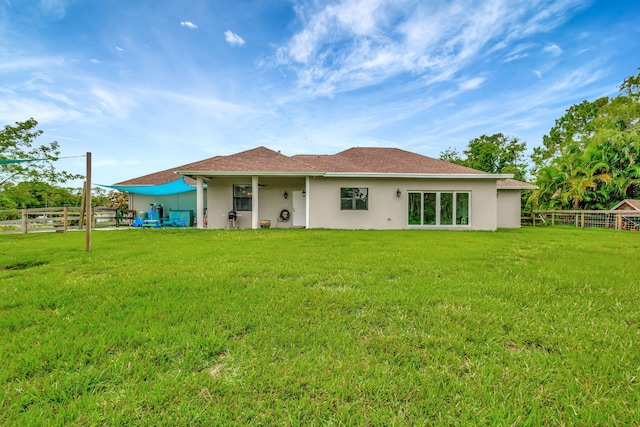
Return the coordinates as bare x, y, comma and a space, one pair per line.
279, 200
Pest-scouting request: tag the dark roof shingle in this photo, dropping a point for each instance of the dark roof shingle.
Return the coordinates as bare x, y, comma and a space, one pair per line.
384, 160
259, 159
354, 160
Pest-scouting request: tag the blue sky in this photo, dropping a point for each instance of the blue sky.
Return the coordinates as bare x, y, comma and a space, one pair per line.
147, 85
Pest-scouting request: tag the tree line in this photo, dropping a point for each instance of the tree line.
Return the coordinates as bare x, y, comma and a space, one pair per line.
588, 160
28, 177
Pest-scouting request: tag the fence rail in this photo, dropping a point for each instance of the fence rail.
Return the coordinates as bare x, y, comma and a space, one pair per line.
617, 220
60, 219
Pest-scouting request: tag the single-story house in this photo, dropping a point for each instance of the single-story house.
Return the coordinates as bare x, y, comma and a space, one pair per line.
359, 188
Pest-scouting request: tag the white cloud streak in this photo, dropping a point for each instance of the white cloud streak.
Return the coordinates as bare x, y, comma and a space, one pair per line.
350, 44
233, 39
29, 63
553, 49
189, 25
471, 84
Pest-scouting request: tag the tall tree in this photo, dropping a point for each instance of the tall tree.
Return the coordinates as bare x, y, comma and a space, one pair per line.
589, 159
491, 153
17, 143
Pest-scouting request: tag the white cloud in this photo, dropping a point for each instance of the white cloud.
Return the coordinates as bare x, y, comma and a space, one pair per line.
211, 107
189, 25
538, 73
553, 49
60, 97
352, 44
233, 39
95, 61
518, 52
471, 83
16, 106
119, 49
115, 104
27, 64
520, 111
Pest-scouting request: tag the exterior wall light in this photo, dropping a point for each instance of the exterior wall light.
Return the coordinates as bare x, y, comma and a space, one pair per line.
286, 194
304, 193
398, 192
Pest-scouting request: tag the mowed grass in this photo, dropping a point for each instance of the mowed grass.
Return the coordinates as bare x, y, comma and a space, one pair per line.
319, 327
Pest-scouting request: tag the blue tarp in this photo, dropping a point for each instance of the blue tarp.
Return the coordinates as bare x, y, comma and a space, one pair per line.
173, 187
9, 161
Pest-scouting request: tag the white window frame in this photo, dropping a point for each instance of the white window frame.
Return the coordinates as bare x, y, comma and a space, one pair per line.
438, 208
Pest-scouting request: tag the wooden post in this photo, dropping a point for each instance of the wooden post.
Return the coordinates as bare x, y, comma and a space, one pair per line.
65, 218
87, 202
25, 223
82, 207
582, 220
533, 219
553, 219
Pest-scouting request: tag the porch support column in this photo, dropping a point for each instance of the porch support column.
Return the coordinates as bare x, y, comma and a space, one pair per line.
199, 202
306, 201
255, 211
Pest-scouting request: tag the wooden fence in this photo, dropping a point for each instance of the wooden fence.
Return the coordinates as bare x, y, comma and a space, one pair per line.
617, 220
61, 219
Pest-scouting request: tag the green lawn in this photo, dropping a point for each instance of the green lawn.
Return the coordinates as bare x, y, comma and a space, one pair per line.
318, 327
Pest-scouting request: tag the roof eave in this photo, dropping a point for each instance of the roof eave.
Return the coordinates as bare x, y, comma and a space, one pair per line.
418, 175
349, 174
247, 173
517, 187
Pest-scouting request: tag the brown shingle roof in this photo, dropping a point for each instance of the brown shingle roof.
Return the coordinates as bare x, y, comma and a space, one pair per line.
259, 159
353, 160
515, 184
384, 160
156, 178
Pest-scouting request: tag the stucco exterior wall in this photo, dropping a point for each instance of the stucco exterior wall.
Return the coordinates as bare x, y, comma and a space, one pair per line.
387, 211
271, 200
509, 208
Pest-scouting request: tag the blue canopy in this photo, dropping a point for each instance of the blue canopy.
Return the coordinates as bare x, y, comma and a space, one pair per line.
173, 187
9, 161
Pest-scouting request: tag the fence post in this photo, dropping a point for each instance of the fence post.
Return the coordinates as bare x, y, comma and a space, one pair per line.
553, 219
65, 215
533, 219
618, 221
25, 223
582, 220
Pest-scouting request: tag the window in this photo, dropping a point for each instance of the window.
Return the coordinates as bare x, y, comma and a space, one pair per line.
354, 199
242, 197
438, 208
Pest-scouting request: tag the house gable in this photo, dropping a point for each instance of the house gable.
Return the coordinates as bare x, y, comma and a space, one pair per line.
627, 205
257, 160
